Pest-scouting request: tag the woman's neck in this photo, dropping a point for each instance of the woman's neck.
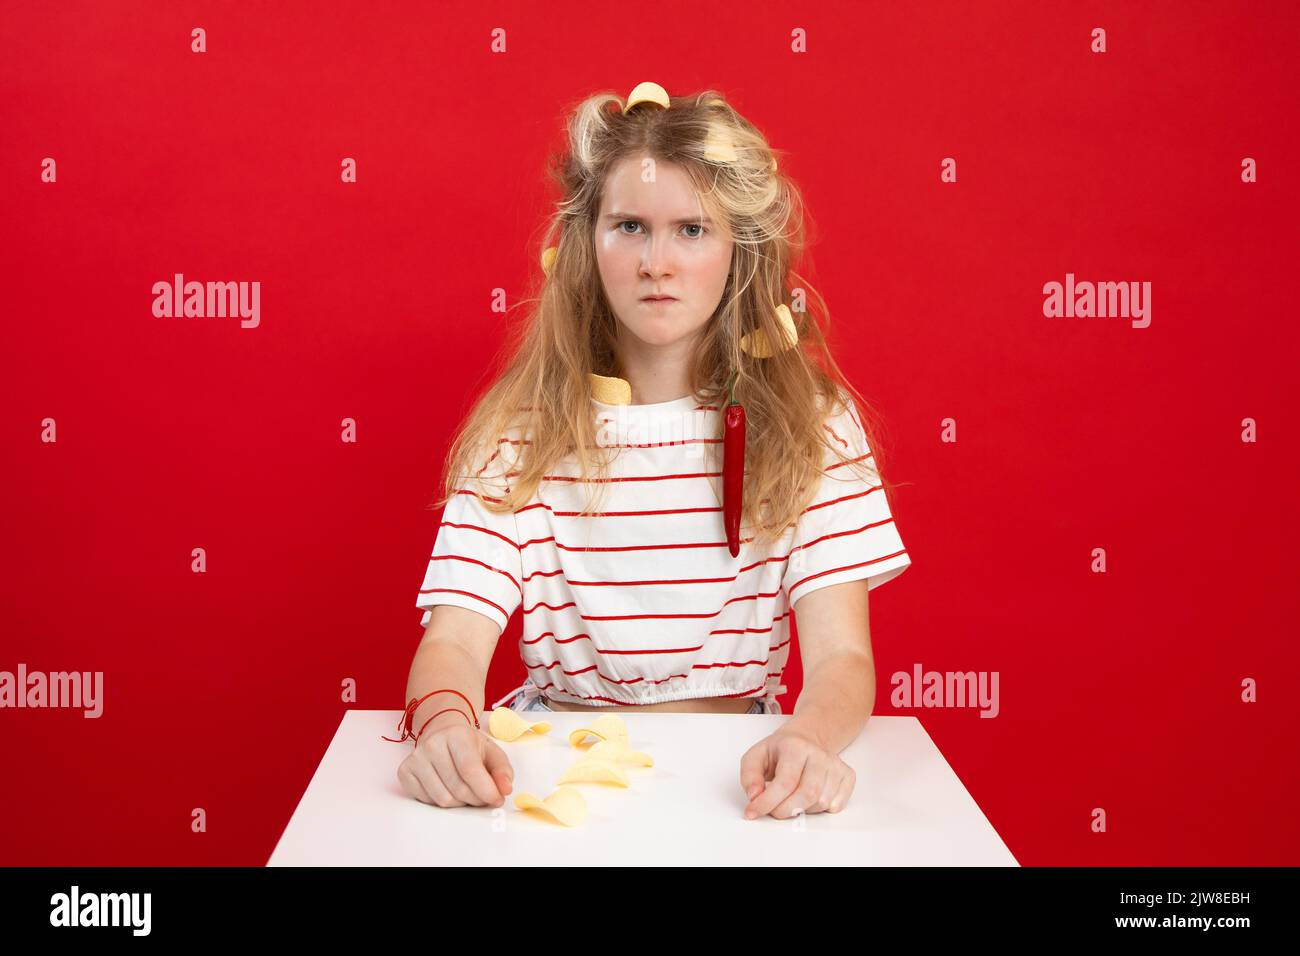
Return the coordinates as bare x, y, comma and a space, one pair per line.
660, 375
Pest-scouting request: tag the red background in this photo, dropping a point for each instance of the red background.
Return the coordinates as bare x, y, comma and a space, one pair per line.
222, 690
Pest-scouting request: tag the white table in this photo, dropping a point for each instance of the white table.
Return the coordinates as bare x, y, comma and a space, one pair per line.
908, 808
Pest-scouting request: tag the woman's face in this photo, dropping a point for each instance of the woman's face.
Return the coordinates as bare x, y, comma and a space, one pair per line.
655, 238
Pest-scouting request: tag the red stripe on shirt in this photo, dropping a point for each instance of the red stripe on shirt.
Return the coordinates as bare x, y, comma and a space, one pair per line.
666, 650
614, 514
474, 527
847, 567
843, 534
611, 700
699, 474
457, 557
848, 461
637, 680
652, 617
836, 434
672, 581
476, 597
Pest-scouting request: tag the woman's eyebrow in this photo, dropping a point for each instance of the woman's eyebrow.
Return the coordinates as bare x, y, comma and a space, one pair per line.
676, 222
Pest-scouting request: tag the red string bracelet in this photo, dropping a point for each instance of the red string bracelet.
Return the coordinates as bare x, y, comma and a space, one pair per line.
454, 710
404, 724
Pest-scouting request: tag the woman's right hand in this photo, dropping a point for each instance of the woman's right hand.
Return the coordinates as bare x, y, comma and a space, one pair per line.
456, 765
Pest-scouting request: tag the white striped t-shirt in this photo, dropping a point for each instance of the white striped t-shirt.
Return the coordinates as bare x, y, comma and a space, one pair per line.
643, 602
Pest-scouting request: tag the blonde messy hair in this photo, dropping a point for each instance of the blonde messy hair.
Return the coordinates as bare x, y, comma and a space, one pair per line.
543, 393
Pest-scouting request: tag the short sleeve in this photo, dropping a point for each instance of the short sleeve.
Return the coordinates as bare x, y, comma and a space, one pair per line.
846, 532
475, 562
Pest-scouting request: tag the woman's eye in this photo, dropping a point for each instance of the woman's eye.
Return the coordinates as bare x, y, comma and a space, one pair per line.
689, 225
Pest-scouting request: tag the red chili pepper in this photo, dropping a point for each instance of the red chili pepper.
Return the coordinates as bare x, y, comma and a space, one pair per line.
733, 468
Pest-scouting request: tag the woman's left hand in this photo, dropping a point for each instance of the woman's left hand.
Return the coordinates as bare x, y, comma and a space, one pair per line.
805, 777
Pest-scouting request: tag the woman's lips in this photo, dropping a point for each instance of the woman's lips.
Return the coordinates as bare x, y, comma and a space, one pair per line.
661, 298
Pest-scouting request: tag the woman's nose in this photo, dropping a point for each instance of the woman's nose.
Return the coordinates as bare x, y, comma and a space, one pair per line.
655, 259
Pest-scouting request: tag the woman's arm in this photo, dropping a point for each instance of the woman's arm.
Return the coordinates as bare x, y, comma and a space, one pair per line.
839, 673
802, 755
455, 653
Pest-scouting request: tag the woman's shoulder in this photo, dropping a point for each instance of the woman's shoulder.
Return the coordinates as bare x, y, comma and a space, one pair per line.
495, 457
843, 433
840, 412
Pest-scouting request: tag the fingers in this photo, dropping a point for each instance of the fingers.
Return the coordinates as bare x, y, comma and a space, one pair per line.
830, 796
806, 796
806, 779
457, 767
789, 770
834, 778
498, 765
468, 769
436, 789
753, 769
420, 780
468, 758
411, 783
444, 764
841, 797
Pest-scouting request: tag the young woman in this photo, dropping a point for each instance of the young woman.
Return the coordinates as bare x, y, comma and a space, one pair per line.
586, 487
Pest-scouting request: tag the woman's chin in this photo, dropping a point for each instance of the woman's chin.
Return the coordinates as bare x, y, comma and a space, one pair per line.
660, 334
661, 341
